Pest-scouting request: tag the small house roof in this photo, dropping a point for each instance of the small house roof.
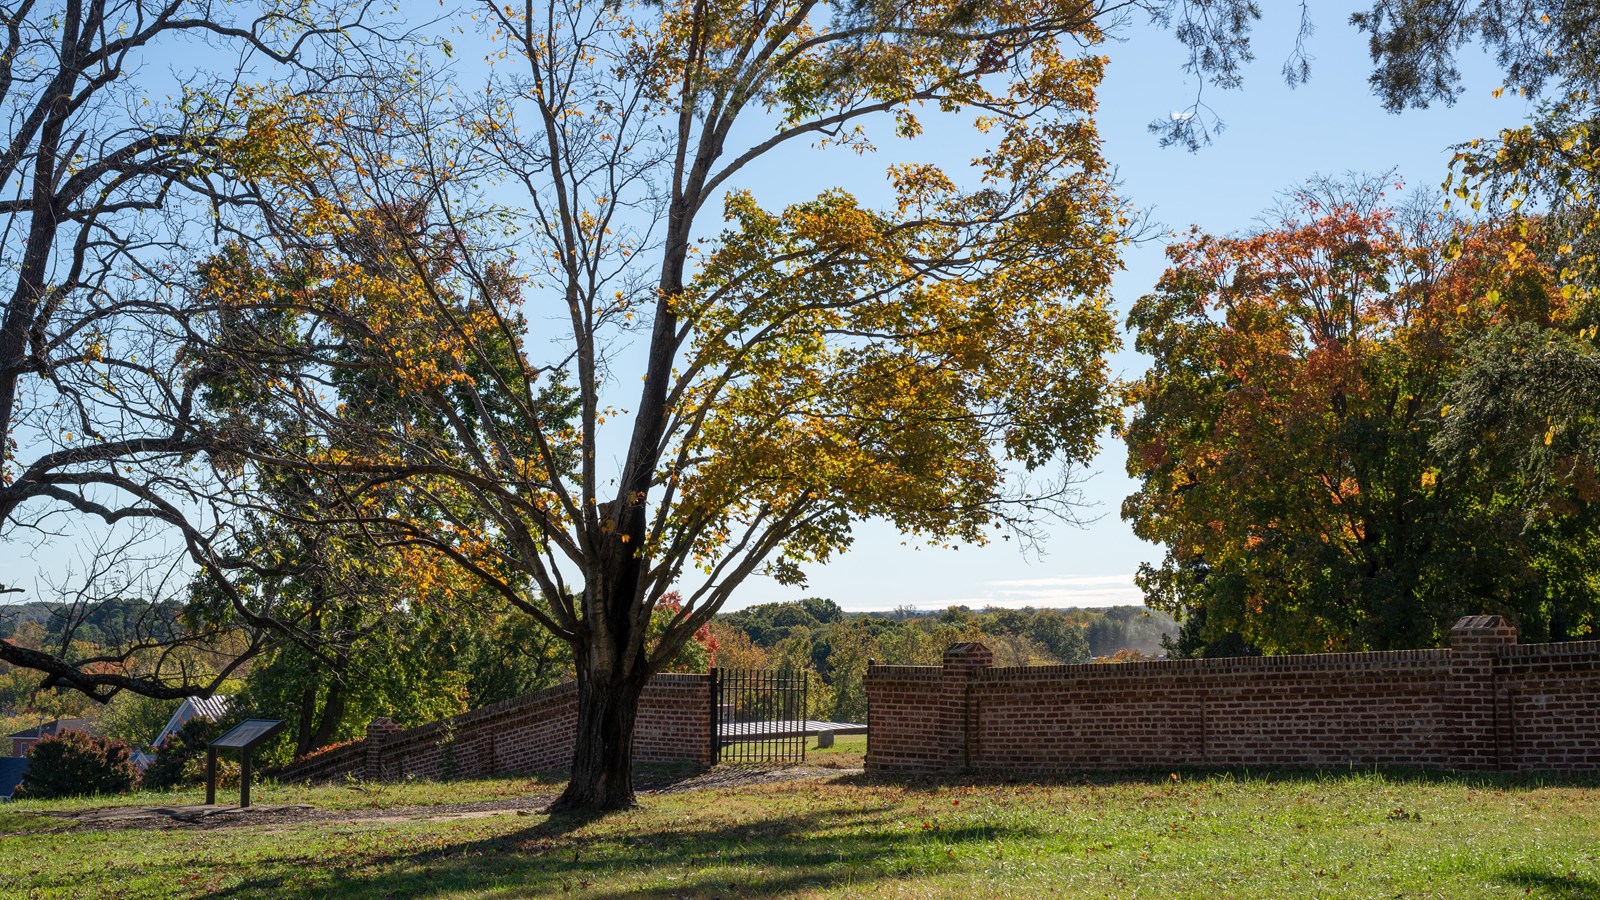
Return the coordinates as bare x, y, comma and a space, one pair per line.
53, 727
209, 708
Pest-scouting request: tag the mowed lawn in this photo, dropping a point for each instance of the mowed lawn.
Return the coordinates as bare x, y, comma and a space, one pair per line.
1280, 835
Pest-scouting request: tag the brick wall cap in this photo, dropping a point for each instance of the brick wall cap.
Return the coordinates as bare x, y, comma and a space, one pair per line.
880, 671
1323, 664
1563, 648
1480, 623
969, 653
1480, 629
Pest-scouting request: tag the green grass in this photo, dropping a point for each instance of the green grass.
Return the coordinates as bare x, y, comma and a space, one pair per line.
847, 752
1198, 835
351, 795
14, 821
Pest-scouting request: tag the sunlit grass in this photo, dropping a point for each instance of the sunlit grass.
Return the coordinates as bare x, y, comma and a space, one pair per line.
351, 794
848, 752
1212, 835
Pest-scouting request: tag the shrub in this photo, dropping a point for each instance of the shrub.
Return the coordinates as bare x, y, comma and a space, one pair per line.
181, 760
74, 764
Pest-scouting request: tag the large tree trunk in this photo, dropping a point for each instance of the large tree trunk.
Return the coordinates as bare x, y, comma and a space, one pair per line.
308, 721
609, 685
332, 717
602, 758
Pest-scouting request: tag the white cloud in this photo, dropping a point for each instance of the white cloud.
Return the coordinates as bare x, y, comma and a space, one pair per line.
1070, 581
1062, 591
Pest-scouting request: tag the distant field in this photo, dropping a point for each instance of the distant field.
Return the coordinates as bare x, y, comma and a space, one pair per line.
838, 834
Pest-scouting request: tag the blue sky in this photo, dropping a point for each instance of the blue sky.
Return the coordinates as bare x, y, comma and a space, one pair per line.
1275, 138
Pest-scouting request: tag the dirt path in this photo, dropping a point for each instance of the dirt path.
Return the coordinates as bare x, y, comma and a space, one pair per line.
265, 815
268, 816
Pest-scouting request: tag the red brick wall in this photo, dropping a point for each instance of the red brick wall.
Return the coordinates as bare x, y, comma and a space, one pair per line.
905, 731
325, 765
1485, 703
1548, 697
531, 733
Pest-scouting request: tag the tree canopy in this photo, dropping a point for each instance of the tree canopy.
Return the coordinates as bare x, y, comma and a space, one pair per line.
1285, 434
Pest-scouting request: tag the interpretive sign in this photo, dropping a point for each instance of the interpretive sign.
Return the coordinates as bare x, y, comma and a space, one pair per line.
243, 737
248, 734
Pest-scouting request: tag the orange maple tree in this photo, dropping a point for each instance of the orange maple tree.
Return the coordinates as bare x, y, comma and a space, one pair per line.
1283, 434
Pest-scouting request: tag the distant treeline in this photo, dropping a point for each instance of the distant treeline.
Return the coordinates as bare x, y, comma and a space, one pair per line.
423, 665
816, 636
415, 666
104, 622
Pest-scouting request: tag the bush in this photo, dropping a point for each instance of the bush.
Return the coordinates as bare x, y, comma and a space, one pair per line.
74, 764
181, 760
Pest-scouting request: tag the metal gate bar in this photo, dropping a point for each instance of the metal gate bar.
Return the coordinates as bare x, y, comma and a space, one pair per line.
758, 716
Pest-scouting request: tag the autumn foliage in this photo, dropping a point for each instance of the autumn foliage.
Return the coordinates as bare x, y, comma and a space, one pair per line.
1283, 434
931, 354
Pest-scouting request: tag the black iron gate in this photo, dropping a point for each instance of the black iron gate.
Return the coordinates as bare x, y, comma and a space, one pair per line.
758, 717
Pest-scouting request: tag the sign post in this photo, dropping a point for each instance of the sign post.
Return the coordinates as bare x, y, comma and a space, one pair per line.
243, 737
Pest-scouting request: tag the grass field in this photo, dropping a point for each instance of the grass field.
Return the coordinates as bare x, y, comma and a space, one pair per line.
1352, 834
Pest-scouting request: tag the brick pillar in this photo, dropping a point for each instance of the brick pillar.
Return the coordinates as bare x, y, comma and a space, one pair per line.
378, 733
958, 728
1475, 644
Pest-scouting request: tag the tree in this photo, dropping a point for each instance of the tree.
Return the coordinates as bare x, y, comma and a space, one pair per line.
101, 437
135, 720
1282, 437
1549, 49
805, 367
1524, 407
1543, 47
401, 667
1524, 415
850, 645
377, 626
1414, 45
736, 649
508, 656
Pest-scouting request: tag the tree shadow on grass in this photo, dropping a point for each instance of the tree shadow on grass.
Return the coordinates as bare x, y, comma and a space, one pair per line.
1550, 883
1121, 777
765, 858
